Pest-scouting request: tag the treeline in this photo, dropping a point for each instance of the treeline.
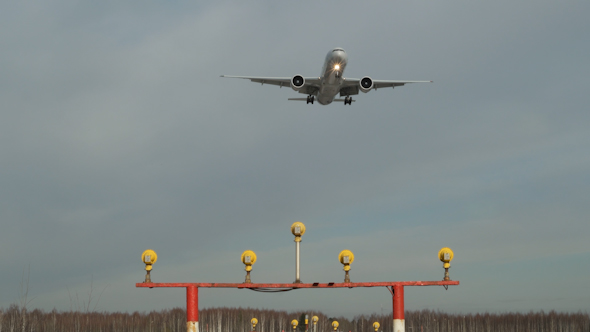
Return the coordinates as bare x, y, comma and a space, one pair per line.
15, 319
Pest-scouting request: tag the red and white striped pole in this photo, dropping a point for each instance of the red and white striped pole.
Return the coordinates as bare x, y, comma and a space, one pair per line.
399, 324
192, 309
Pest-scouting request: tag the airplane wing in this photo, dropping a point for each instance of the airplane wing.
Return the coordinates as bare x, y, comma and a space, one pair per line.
311, 86
351, 85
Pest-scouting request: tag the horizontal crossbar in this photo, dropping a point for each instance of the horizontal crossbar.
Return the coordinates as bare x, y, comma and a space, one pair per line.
298, 285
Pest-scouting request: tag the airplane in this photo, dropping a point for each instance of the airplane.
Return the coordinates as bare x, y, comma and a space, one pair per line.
330, 83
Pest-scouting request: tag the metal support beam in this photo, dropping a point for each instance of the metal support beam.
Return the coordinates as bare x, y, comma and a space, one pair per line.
297, 279
192, 309
399, 324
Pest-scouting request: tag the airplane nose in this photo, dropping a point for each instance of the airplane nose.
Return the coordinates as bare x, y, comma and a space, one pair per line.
341, 56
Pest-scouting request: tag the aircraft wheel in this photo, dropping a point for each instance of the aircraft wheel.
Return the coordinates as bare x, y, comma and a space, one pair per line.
312, 98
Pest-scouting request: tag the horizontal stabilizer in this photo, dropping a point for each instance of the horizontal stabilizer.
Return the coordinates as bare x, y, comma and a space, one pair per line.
343, 100
303, 99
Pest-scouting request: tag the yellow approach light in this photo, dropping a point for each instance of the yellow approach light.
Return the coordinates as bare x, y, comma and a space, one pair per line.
335, 325
298, 229
149, 257
376, 326
446, 256
254, 321
294, 323
346, 257
248, 258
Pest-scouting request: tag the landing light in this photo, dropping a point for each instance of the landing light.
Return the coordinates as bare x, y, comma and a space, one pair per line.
337, 67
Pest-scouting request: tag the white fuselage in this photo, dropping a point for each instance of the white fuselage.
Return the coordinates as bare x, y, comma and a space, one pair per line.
331, 77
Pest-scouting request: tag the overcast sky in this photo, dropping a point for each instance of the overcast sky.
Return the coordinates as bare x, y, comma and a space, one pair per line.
118, 135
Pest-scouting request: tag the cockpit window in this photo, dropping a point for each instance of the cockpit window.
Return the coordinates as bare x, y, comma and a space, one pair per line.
338, 50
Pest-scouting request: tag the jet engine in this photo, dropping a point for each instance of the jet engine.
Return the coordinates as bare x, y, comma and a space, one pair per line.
366, 84
297, 82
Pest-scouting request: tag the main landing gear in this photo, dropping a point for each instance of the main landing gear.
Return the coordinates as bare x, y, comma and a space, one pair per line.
348, 100
310, 99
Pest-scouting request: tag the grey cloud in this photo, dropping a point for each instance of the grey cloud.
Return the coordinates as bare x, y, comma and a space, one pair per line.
118, 135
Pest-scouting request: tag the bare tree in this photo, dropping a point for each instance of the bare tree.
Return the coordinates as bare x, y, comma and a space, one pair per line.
23, 298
